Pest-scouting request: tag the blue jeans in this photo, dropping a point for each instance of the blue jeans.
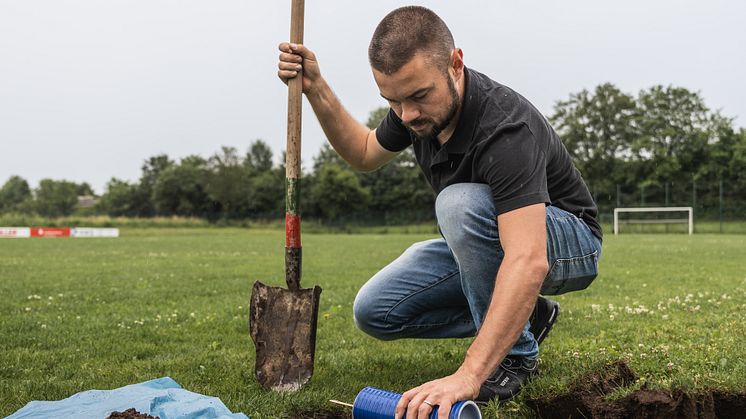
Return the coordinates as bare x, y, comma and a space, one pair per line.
441, 288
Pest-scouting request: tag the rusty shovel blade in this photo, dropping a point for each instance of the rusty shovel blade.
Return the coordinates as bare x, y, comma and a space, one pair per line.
282, 323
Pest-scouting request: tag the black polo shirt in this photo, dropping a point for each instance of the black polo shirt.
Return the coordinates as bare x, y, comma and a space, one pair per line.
503, 141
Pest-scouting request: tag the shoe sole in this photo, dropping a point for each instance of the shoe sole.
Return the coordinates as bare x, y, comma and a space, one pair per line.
553, 315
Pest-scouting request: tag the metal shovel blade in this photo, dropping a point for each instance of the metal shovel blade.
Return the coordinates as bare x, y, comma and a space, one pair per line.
282, 323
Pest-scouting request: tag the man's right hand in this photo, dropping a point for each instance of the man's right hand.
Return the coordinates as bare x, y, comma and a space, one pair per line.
355, 142
293, 58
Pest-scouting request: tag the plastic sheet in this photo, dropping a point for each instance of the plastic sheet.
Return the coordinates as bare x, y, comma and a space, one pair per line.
162, 397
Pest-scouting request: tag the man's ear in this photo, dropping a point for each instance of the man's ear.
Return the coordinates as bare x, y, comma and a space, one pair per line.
456, 62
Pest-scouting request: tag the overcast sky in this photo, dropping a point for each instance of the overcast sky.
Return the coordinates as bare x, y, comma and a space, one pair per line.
91, 88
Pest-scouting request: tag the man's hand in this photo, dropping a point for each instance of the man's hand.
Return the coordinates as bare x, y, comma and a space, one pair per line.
443, 392
355, 142
293, 58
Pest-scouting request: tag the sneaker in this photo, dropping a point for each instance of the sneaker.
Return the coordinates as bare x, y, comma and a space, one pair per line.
542, 319
507, 380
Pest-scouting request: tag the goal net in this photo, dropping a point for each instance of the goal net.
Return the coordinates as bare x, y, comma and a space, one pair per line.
660, 216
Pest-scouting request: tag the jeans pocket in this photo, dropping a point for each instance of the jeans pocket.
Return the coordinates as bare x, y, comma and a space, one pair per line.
571, 274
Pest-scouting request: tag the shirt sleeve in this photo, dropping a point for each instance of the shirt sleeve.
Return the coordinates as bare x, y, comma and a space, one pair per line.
513, 164
391, 133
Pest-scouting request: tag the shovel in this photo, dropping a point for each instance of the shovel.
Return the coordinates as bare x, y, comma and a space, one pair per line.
282, 322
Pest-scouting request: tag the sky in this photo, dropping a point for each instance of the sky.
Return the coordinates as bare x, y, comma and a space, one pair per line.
89, 89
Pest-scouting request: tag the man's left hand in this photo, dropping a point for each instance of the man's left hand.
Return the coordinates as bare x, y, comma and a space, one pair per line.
443, 392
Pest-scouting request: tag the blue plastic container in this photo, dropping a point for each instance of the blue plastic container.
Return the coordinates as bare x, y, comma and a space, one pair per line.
374, 403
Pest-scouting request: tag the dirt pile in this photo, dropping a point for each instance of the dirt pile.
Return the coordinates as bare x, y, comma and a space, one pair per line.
130, 414
586, 400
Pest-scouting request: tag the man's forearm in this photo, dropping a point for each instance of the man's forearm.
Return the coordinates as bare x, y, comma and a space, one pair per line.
346, 135
516, 289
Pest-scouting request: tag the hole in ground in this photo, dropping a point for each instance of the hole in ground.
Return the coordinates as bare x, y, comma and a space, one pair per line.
586, 400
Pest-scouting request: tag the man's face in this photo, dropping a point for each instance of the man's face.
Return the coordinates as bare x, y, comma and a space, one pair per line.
423, 96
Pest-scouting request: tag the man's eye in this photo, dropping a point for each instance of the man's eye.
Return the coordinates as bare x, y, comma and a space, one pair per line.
419, 97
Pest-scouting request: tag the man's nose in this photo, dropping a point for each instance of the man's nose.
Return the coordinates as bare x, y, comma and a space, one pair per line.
409, 113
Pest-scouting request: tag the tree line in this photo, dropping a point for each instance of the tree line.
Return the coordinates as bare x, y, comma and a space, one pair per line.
231, 185
619, 142
662, 147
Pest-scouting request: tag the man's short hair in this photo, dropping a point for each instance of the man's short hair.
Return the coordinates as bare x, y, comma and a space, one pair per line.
405, 32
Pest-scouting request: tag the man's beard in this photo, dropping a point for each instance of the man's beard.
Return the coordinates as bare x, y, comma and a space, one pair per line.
438, 127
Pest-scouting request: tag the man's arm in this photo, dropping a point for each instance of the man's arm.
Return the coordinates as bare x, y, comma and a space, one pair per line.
523, 238
355, 142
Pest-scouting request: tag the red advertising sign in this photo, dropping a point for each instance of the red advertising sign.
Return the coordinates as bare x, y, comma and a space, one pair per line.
50, 232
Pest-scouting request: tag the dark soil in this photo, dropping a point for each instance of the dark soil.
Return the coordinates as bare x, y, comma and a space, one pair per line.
586, 400
130, 414
331, 414
326, 415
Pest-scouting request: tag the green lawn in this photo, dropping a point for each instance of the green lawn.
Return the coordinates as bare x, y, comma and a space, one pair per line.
78, 314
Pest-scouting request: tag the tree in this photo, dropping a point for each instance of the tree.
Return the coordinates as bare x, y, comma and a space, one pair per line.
151, 169
228, 182
721, 151
737, 165
327, 156
598, 131
338, 193
56, 198
675, 128
118, 199
376, 116
14, 195
180, 189
84, 189
267, 196
259, 157
399, 191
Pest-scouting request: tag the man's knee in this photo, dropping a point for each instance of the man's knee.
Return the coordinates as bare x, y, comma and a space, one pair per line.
370, 317
464, 209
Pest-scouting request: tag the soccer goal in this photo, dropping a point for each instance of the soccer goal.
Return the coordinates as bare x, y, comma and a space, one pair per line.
650, 220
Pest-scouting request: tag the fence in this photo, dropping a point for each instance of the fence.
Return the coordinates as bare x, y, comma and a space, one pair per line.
719, 206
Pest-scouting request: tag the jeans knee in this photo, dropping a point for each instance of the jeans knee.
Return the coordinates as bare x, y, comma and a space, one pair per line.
465, 209
369, 317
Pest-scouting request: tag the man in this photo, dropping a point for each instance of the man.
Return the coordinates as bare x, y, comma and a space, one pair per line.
515, 215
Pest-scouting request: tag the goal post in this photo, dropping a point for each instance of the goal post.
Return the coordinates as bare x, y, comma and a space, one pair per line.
688, 210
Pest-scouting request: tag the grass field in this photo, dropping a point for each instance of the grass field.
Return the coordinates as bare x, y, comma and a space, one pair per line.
103, 313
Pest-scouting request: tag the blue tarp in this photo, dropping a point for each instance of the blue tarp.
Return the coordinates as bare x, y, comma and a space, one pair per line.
162, 397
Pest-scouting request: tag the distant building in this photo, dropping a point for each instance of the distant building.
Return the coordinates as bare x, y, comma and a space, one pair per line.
87, 201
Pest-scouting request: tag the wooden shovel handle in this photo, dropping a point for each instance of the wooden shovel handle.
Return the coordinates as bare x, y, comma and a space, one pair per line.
295, 91
292, 159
